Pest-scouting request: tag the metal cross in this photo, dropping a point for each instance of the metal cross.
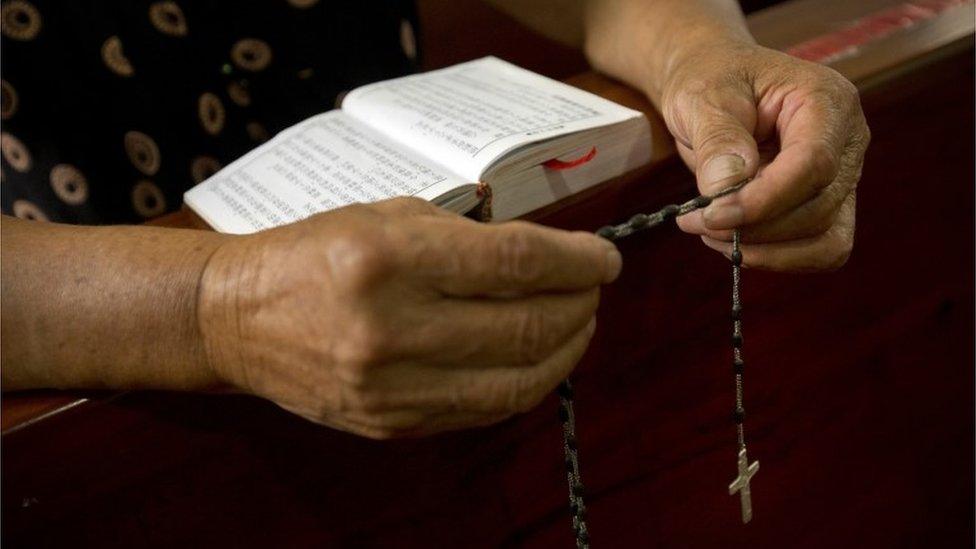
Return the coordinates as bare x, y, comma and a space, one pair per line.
741, 484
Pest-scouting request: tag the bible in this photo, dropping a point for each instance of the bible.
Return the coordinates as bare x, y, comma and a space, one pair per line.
484, 137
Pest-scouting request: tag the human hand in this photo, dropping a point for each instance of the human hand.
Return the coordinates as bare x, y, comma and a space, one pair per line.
401, 319
797, 214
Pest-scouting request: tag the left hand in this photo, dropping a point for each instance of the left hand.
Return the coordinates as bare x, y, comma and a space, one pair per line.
798, 212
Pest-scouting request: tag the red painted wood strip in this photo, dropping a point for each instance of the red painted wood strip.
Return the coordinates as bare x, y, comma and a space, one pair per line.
845, 42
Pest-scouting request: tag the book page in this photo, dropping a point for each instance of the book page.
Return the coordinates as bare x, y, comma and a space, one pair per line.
325, 162
468, 115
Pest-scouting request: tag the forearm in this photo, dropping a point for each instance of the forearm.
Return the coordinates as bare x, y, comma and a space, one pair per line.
637, 41
102, 307
640, 41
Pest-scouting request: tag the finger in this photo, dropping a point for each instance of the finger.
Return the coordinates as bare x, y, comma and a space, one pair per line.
453, 422
521, 389
409, 423
508, 390
388, 416
411, 206
424, 387
512, 332
810, 219
722, 124
509, 258
813, 135
824, 252
767, 151
687, 155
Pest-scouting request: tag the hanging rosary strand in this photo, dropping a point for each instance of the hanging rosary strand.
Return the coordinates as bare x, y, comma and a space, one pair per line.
567, 414
745, 469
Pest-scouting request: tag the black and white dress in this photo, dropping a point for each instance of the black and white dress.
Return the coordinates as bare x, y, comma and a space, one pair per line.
111, 109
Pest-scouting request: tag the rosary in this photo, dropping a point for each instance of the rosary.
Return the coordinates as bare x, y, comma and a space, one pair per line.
567, 415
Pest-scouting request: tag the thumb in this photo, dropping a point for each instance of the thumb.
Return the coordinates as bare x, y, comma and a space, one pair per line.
725, 150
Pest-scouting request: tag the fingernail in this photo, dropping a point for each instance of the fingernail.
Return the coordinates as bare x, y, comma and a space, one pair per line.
716, 174
591, 327
725, 248
724, 214
615, 262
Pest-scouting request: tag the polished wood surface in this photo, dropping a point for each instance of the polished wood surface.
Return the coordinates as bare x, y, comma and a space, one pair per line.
859, 393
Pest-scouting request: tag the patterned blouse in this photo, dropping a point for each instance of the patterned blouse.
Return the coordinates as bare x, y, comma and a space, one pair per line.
111, 109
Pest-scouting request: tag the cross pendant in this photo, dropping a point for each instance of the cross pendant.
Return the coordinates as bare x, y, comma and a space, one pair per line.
741, 484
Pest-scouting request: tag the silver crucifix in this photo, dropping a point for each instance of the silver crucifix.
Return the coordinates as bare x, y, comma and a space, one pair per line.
741, 484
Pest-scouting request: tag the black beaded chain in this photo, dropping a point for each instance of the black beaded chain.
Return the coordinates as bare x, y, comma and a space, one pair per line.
738, 365
567, 414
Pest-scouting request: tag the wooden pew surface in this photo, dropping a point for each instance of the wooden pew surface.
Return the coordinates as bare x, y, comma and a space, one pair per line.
860, 387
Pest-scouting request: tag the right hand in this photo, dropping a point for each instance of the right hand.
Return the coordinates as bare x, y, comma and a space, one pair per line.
400, 319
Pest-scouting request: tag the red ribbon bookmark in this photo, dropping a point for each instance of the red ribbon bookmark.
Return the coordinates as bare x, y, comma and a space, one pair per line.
557, 164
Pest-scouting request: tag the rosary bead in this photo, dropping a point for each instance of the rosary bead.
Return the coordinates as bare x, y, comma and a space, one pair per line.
639, 221
569, 466
583, 537
669, 211
580, 515
571, 443
740, 415
578, 490
737, 312
739, 366
563, 414
607, 232
565, 390
737, 340
736, 257
701, 201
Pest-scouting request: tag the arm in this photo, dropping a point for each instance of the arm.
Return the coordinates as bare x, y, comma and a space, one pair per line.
387, 319
736, 110
633, 40
102, 307
643, 42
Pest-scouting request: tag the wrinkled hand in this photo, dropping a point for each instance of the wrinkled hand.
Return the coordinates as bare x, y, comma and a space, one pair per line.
399, 319
798, 212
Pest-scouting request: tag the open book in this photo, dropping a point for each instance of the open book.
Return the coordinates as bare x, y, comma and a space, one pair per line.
482, 133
